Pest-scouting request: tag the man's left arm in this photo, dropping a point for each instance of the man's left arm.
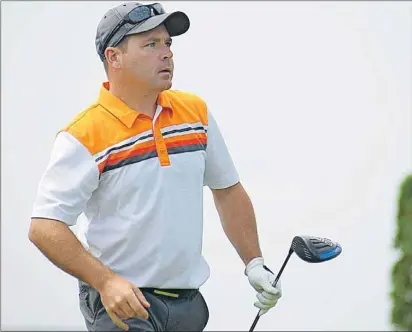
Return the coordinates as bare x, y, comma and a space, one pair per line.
237, 216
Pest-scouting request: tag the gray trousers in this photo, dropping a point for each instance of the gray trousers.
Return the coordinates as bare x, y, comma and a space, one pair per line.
187, 312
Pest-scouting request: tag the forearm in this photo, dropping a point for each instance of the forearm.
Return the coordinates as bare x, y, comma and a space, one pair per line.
58, 243
238, 220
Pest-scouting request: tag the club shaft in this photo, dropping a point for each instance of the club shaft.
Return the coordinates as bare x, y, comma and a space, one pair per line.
274, 285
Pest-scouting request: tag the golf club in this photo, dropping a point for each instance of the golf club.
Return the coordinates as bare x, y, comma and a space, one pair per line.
311, 249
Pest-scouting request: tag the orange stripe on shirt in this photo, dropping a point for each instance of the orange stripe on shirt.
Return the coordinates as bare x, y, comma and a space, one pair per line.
136, 150
183, 142
112, 162
200, 136
141, 148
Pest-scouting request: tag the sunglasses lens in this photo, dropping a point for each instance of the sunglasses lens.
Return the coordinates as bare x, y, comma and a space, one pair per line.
139, 14
159, 8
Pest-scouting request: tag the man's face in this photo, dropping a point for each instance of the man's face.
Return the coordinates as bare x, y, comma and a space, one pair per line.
147, 59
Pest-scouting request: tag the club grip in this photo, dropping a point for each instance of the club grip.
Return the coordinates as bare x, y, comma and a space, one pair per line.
274, 285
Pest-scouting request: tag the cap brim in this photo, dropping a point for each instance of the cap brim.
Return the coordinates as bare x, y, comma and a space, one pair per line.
176, 23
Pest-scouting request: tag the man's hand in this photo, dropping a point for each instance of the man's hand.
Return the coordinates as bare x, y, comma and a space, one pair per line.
261, 280
122, 300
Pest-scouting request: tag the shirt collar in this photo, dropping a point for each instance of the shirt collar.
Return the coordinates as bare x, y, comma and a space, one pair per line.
121, 110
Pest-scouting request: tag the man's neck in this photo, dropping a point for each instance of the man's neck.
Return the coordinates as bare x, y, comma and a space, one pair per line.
138, 99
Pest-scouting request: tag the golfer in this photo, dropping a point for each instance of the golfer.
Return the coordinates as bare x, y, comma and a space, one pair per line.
135, 162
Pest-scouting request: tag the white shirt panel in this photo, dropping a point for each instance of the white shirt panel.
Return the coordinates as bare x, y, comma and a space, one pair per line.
68, 182
149, 224
220, 171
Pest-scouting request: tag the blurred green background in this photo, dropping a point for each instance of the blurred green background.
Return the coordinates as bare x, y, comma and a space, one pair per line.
402, 269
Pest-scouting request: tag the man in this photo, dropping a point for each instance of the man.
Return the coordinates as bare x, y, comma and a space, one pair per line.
135, 163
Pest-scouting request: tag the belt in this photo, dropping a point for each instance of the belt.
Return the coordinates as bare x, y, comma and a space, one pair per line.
171, 292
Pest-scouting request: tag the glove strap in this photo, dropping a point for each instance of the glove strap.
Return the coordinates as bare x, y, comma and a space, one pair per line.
267, 269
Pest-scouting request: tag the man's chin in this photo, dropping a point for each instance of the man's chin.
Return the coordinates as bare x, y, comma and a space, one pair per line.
167, 86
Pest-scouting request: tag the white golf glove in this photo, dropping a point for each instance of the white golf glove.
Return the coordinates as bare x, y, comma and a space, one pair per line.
261, 279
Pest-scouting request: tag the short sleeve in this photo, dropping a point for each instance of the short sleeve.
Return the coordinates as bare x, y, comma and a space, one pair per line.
68, 182
220, 171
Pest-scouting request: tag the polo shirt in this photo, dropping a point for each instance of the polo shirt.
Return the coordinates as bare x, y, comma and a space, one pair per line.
139, 183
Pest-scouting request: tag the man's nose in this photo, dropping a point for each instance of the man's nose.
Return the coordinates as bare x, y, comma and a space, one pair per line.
168, 54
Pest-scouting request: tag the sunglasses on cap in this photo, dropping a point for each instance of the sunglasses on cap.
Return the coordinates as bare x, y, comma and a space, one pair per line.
136, 15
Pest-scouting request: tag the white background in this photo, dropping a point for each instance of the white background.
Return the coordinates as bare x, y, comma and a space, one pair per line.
314, 101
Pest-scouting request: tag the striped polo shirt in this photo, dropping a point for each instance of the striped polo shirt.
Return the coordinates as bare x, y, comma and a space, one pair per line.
139, 182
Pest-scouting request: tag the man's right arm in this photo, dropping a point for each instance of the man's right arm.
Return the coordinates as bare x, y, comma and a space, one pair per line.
64, 190
58, 243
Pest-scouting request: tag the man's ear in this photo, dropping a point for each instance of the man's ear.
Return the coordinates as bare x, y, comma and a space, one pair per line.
113, 57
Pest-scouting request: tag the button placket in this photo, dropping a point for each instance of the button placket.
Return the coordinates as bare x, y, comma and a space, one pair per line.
160, 145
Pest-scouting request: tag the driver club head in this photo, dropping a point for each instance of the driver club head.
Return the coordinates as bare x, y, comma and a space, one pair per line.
313, 249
